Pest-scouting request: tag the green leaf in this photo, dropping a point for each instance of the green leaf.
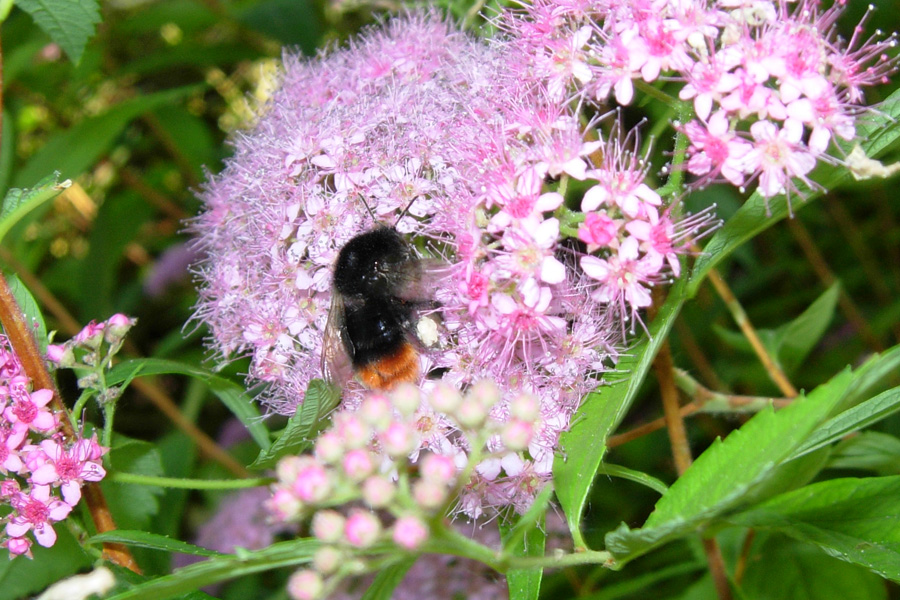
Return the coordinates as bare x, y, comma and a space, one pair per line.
19, 203
525, 584
7, 148
782, 569
143, 539
584, 444
854, 520
636, 476
636, 585
758, 214
728, 471
795, 340
870, 450
231, 394
30, 310
862, 415
279, 19
222, 568
133, 505
526, 536
118, 224
73, 151
871, 375
302, 427
387, 580
69, 23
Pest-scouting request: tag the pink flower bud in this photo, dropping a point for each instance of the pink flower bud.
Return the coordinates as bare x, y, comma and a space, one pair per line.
61, 355
358, 464
517, 434
398, 440
312, 483
328, 526
327, 559
525, 407
429, 494
116, 328
378, 491
91, 335
471, 413
329, 447
485, 392
284, 505
445, 398
362, 529
410, 532
305, 585
438, 468
18, 546
353, 432
376, 411
406, 398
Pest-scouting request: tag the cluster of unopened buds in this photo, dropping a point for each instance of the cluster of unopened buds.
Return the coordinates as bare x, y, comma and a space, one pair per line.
90, 352
366, 482
41, 472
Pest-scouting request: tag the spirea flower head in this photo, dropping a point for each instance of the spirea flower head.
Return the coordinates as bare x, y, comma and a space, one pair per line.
41, 473
771, 82
467, 146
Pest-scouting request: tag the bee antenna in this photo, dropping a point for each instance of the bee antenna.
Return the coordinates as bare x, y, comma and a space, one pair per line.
405, 210
369, 208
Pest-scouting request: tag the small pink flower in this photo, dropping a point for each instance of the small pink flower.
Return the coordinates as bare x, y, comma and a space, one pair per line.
35, 512
778, 155
68, 468
27, 409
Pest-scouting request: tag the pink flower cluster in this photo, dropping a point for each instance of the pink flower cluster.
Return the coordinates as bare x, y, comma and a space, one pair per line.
480, 147
365, 461
41, 473
771, 82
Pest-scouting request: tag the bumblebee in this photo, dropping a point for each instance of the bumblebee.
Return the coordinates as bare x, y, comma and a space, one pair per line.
377, 293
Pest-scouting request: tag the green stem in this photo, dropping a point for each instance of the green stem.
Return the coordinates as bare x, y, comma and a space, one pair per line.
109, 412
190, 484
79, 406
450, 541
446, 540
569, 220
559, 561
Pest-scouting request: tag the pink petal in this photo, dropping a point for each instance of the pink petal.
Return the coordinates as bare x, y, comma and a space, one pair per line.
45, 475
71, 492
45, 535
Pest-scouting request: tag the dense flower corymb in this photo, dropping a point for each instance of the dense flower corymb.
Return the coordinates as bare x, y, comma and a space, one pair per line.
468, 144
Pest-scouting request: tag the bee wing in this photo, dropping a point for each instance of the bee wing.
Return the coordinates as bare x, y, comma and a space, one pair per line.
336, 362
419, 279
